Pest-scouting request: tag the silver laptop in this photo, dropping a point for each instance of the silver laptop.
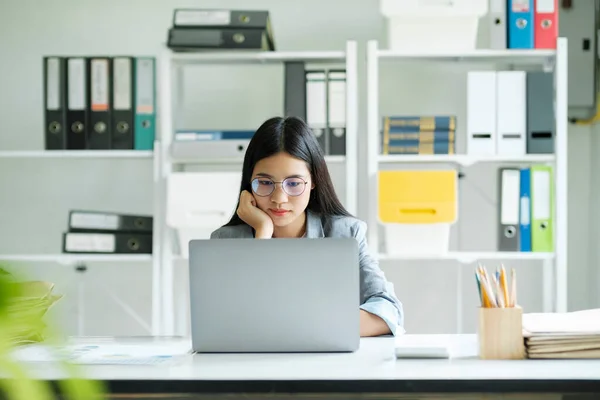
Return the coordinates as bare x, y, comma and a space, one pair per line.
275, 295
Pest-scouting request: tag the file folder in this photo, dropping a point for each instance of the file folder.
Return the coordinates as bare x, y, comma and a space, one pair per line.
542, 208
546, 24
521, 24
77, 104
511, 118
144, 131
84, 221
295, 89
316, 106
509, 201
123, 109
481, 113
99, 77
497, 24
336, 121
183, 39
55, 87
541, 122
525, 211
107, 243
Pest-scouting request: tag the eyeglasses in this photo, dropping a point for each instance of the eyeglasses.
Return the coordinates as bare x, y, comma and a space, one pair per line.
265, 186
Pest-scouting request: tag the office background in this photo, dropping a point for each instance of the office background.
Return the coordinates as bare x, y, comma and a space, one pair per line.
37, 193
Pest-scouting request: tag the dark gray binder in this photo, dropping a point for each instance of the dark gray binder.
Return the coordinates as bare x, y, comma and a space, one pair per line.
186, 39
497, 24
55, 104
509, 197
251, 20
541, 124
295, 90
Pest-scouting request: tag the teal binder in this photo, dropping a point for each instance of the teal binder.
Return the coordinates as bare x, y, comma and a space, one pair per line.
145, 103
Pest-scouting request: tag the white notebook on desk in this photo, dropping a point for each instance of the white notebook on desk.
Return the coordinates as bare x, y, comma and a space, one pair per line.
435, 346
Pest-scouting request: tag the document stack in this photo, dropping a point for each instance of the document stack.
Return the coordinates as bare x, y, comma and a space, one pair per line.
411, 135
574, 335
108, 233
198, 144
28, 303
201, 29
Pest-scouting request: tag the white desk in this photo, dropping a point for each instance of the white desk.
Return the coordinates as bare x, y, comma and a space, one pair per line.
372, 369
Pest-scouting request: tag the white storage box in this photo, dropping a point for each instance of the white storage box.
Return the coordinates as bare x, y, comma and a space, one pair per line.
432, 25
200, 202
417, 239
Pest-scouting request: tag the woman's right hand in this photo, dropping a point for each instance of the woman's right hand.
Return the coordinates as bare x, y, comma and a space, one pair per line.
254, 216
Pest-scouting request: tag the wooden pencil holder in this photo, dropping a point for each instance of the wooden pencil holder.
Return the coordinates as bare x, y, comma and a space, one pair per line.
500, 333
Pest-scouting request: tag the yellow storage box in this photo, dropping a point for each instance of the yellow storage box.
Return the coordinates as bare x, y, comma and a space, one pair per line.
417, 209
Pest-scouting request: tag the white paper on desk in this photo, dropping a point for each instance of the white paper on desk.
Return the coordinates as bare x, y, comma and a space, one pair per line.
586, 322
105, 353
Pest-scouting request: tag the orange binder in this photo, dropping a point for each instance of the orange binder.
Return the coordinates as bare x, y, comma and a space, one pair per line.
546, 24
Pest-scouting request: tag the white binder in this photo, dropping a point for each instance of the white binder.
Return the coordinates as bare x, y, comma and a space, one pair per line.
481, 113
199, 203
511, 116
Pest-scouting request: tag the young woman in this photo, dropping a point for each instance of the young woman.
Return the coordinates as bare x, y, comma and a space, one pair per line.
286, 192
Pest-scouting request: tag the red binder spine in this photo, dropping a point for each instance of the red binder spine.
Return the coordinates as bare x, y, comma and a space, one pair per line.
546, 24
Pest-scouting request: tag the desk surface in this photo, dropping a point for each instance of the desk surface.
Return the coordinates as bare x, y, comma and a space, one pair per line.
373, 368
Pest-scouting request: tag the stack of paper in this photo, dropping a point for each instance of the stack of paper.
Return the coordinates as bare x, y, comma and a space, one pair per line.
28, 303
562, 335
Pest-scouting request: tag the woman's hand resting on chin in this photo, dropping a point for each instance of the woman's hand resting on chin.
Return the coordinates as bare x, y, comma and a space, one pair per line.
254, 216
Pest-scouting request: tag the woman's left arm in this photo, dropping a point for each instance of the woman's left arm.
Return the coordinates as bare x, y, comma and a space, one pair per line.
380, 312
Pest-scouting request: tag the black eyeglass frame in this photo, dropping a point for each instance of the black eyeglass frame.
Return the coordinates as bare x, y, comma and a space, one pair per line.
275, 183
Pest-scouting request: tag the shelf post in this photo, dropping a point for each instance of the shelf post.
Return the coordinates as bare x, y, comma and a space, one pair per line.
351, 128
372, 143
561, 175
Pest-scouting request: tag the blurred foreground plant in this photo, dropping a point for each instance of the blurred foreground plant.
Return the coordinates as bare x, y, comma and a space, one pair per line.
23, 304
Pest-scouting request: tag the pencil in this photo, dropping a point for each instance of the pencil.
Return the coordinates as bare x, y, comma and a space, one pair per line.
504, 286
513, 288
478, 287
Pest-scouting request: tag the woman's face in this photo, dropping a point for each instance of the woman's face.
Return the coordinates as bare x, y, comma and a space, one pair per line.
283, 187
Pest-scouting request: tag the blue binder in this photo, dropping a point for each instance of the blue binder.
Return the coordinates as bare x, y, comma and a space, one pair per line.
520, 24
145, 103
525, 210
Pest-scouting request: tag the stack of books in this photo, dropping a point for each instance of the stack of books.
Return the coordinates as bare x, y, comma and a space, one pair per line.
574, 335
27, 305
419, 135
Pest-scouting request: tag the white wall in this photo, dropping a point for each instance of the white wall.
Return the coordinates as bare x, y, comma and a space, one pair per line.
35, 195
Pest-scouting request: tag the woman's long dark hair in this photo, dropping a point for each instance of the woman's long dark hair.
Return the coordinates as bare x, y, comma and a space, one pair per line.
293, 136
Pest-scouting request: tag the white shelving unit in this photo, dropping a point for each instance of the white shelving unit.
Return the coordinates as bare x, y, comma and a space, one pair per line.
555, 264
74, 260
171, 66
72, 154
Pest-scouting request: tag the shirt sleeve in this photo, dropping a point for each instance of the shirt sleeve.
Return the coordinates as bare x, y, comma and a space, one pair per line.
377, 294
